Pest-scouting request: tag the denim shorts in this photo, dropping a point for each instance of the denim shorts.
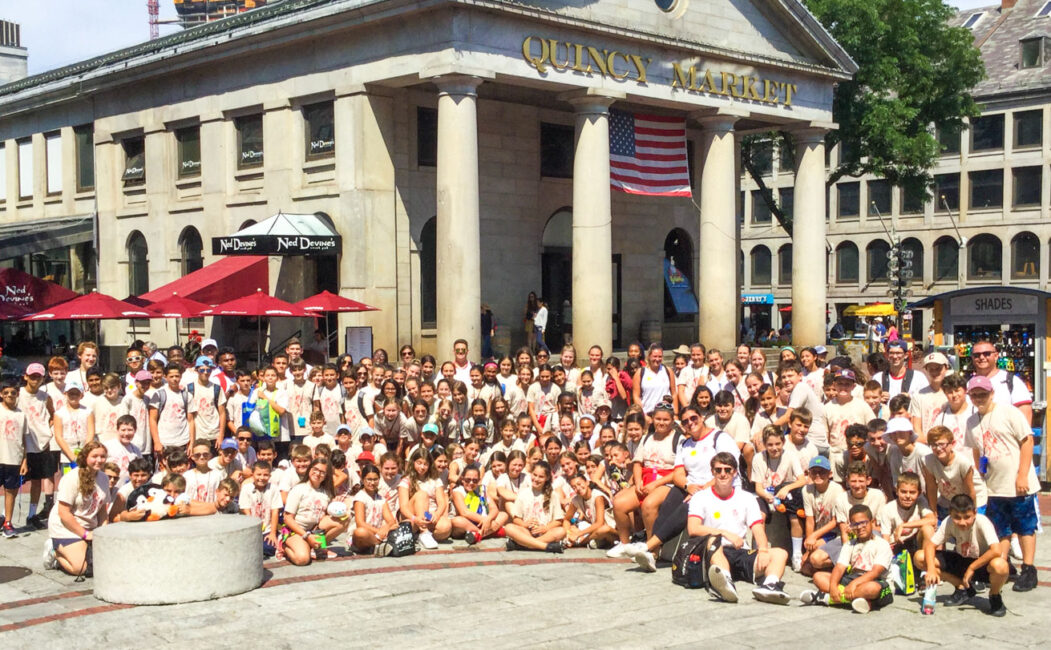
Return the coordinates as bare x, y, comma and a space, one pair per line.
1012, 515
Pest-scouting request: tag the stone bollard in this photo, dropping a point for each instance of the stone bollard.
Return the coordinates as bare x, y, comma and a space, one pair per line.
177, 560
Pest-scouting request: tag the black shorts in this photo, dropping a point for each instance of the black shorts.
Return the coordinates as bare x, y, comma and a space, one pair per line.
956, 565
911, 545
42, 465
10, 476
886, 593
742, 563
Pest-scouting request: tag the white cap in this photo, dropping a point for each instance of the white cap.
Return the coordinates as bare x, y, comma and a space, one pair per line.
205, 343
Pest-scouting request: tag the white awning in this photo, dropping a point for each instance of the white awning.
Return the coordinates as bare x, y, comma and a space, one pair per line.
282, 234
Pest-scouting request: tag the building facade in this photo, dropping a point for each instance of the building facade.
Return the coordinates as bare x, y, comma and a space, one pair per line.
459, 148
993, 227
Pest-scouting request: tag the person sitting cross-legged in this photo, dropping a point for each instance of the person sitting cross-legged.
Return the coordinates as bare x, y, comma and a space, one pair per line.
731, 512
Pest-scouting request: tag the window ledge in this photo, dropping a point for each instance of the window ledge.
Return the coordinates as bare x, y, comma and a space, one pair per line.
985, 153
1027, 206
84, 194
320, 164
188, 181
52, 199
249, 173
985, 211
23, 204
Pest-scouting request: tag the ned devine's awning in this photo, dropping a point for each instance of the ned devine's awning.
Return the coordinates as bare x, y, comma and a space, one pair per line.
220, 281
282, 234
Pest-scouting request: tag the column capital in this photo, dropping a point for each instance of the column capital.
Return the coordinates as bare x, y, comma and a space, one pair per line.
458, 84
810, 134
592, 100
719, 119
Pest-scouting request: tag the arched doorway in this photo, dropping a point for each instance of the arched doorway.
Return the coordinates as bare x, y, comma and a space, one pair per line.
556, 279
678, 253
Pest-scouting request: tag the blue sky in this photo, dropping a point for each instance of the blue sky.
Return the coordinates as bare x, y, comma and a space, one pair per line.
60, 32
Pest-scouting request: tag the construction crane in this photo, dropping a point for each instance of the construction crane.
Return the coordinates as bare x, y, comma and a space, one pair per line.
153, 9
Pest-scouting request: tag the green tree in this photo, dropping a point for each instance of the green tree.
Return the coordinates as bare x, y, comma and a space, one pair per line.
914, 71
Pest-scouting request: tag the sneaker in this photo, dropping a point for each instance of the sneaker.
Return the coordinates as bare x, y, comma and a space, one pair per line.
774, 593
35, 523
500, 533
471, 538
996, 606
50, 558
9, 531
553, 547
619, 551
1016, 549
382, 549
960, 596
634, 549
427, 540
861, 606
1026, 580
646, 561
722, 583
593, 544
813, 597
638, 536
797, 563
511, 545
979, 586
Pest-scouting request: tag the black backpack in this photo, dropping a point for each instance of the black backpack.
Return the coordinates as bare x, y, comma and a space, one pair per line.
401, 540
689, 567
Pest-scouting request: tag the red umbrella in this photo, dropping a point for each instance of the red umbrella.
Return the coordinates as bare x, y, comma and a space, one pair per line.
175, 306
92, 306
22, 294
326, 302
257, 304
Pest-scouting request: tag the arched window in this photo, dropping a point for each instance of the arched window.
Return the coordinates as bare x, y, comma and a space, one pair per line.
912, 259
846, 263
760, 266
429, 274
946, 259
191, 250
784, 265
138, 264
1025, 257
984, 258
678, 250
876, 262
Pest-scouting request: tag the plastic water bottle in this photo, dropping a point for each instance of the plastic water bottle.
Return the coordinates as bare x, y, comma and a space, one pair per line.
930, 595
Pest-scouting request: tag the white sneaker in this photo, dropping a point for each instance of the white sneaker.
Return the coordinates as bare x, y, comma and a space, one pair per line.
382, 549
427, 540
1016, 549
635, 549
813, 597
619, 551
646, 561
774, 593
797, 563
861, 606
722, 583
50, 558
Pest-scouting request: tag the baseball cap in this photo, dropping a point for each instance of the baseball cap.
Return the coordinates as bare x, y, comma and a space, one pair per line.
143, 375
430, 428
366, 456
845, 373
936, 357
898, 424
343, 427
71, 387
820, 349
209, 343
367, 431
820, 462
228, 443
588, 416
35, 369
203, 361
979, 382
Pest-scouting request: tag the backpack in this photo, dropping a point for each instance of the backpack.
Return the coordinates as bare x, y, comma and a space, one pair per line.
689, 566
161, 397
905, 382
400, 540
215, 393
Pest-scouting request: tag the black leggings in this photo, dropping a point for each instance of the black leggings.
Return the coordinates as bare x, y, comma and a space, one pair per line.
672, 515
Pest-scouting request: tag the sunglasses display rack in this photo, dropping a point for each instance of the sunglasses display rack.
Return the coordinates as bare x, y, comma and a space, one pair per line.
1016, 346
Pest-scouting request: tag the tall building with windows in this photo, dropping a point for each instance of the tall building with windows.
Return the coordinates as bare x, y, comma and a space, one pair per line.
988, 223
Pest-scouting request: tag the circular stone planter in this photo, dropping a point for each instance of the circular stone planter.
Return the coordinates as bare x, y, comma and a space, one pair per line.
177, 560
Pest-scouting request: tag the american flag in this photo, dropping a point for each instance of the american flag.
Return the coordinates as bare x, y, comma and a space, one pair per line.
647, 154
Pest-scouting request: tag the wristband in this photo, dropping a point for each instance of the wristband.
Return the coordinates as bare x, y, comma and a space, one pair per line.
84, 536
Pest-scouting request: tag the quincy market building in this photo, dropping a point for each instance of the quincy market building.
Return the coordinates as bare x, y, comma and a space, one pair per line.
459, 148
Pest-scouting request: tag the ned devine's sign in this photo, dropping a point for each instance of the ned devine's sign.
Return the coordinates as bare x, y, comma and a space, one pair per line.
277, 245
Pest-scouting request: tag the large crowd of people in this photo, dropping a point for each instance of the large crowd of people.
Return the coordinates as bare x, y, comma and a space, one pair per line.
849, 475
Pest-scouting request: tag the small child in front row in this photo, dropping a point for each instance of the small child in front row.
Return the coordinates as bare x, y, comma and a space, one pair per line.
903, 520
859, 578
261, 499
979, 555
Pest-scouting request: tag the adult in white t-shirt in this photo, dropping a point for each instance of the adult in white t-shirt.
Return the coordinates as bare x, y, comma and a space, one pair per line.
899, 378
1008, 388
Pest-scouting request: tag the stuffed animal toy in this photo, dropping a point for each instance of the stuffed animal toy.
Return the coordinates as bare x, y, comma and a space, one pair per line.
338, 510
154, 501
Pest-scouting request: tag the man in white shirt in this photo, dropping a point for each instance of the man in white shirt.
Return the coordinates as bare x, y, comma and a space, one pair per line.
898, 378
461, 362
540, 324
1008, 388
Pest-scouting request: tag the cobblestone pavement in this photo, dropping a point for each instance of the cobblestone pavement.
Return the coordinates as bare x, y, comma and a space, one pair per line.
486, 595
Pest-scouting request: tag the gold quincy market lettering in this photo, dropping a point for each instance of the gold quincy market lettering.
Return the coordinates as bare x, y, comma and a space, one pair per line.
549, 53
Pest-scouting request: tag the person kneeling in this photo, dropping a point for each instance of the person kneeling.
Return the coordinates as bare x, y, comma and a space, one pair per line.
728, 512
979, 555
859, 578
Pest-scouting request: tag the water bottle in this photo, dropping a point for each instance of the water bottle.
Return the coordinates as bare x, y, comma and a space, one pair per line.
930, 595
983, 465
427, 516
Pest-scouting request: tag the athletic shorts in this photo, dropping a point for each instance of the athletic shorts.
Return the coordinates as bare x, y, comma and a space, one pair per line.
956, 565
886, 592
833, 547
41, 465
1012, 515
58, 543
10, 476
742, 563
